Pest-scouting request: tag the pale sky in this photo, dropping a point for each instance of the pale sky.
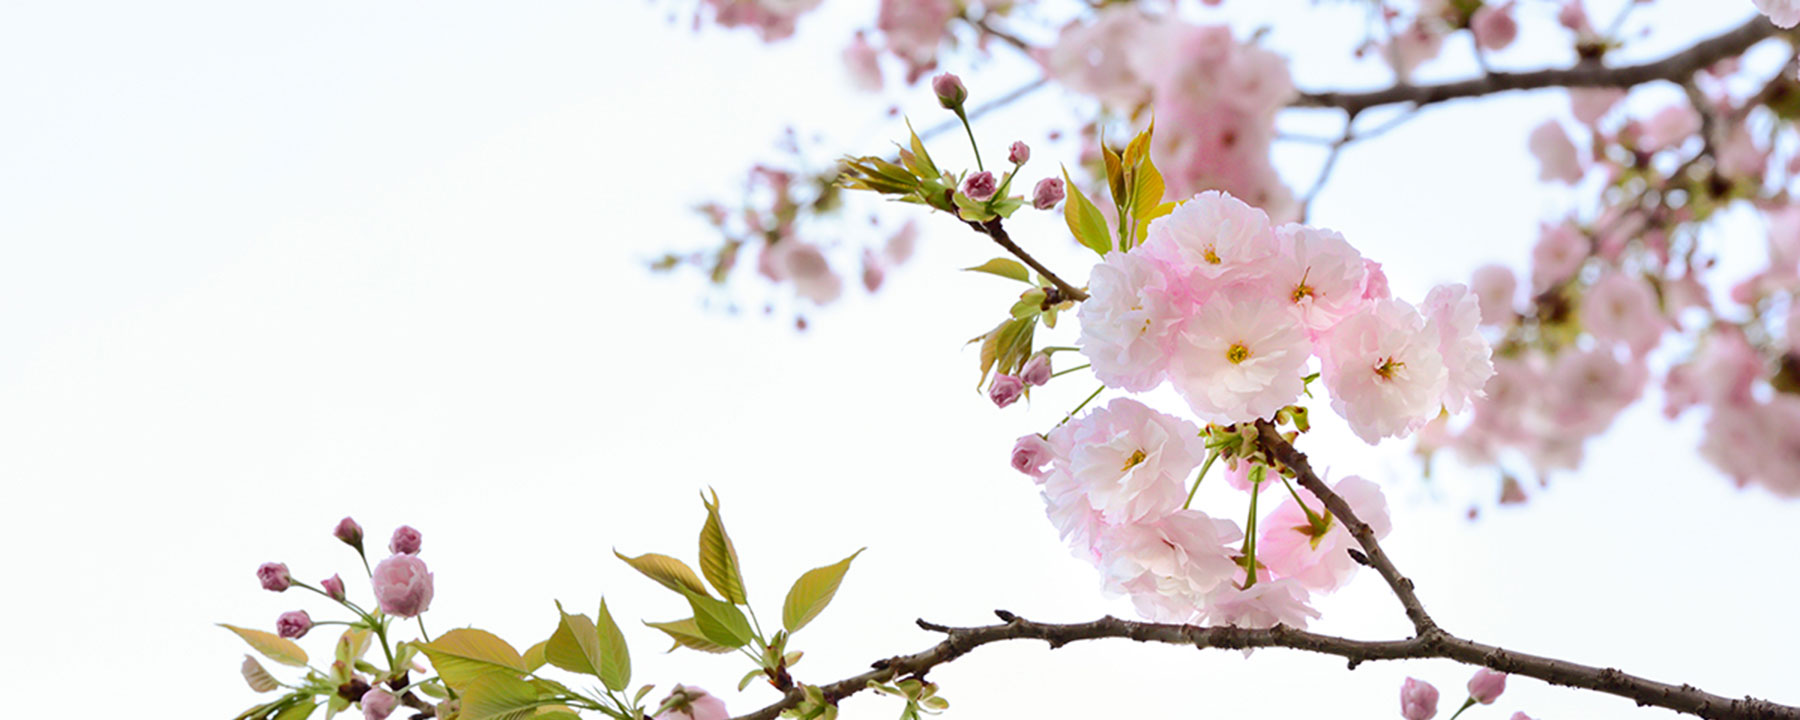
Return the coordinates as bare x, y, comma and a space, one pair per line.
263, 266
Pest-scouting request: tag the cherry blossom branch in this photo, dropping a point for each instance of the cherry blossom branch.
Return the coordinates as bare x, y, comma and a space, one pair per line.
1674, 68
994, 229
960, 641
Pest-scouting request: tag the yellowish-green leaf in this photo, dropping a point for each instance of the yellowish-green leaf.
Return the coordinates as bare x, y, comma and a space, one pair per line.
1084, 218
1031, 302
1147, 194
686, 634
298, 711
615, 657
1004, 267
989, 349
575, 646
720, 622
1115, 174
498, 697
1139, 147
534, 656
1144, 219
672, 573
272, 646
812, 592
556, 713
259, 679
718, 557
352, 644
926, 167
466, 654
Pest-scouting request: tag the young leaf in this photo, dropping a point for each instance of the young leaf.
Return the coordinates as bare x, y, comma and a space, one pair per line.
1115, 174
1147, 194
1004, 267
720, 622
672, 573
575, 646
718, 557
615, 657
1084, 219
298, 711
498, 697
465, 654
272, 646
534, 656
812, 592
1031, 302
259, 679
686, 633
926, 167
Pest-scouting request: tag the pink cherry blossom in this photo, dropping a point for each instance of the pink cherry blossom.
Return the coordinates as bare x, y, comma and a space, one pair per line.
691, 703
1128, 321
1573, 16
1319, 273
1384, 371
863, 63
1418, 700
1784, 13
1030, 454
1621, 307
1557, 157
1494, 26
406, 540
293, 625
1240, 357
1485, 687
1670, 126
1588, 105
771, 19
805, 265
378, 703
1559, 252
1129, 462
1588, 388
1264, 605
980, 186
913, 29
1214, 237
1315, 556
1419, 41
1454, 313
1168, 567
1094, 57
1494, 287
403, 586
1375, 282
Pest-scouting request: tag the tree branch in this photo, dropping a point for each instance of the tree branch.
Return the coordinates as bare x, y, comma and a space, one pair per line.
994, 229
959, 641
1674, 68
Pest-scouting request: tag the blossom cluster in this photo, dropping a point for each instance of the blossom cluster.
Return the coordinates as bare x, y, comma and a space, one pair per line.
1230, 310
1215, 98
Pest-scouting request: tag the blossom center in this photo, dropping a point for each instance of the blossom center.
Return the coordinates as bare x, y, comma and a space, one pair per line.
1136, 459
1211, 255
1388, 367
1237, 353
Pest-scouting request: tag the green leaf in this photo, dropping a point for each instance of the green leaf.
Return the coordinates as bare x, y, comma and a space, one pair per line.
718, 557
615, 657
272, 646
352, 644
744, 682
498, 697
971, 209
812, 592
534, 656
298, 711
926, 168
1084, 218
575, 646
1147, 194
466, 654
556, 715
672, 573
1115, 174
1030, 304
720, 622
1004, 267
686, 633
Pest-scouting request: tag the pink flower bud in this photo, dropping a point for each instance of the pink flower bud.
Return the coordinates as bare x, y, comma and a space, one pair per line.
405, 541
950, 90
1520, 716
403, 587
1486, 686
378, 703
692, 703
981, 186
1018, 153
1037, 370
334, 587
1030, 454
274, 577
1005, 390
1418, 700
1574, 17
1494, 27
293, 625
1047, 194
349, 532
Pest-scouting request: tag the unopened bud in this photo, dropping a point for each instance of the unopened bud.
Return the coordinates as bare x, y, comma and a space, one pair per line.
349, 532
1037, 370
274, 577
1005, 390
1018, 153
293, 625
950, 90
1047, 194
334, 587
1486, 686
981, 186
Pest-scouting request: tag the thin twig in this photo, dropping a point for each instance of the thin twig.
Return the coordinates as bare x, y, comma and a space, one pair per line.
994, 229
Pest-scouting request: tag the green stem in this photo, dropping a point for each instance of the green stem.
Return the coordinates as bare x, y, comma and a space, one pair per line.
1083, 404
1210, 457
1466, 705
1311, 517
1058, 348
381, 632
1070, 370
1257, 473
365, 561
422, 634
964, 117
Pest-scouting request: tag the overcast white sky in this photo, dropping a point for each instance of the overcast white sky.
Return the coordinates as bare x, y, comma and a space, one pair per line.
265, 265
